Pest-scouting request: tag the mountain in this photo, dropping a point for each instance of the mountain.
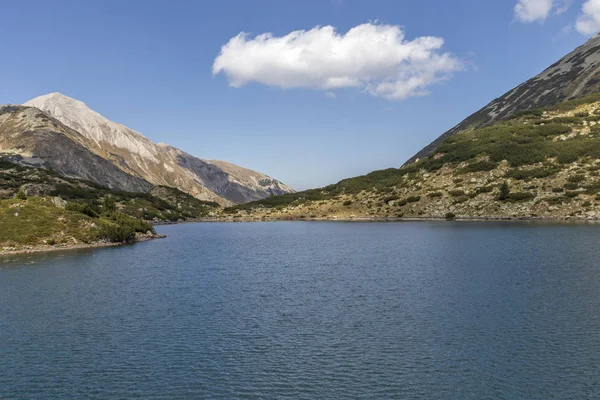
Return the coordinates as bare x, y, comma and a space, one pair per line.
574, 76
158, 164
529, 154
31, 136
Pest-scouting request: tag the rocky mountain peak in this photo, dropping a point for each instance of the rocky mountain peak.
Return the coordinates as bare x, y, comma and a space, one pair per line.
159, 164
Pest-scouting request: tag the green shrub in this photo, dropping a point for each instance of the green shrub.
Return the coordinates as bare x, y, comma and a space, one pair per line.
523, 174
571, 186
137, 225
478, 166
413, 199
504, 191
456, 193
568, 120
116, 233
83, 208
527, 114
520, 196
558, 190
434, 195
484, 189
576, 178
347, 202
592, 188
557, 200
450, 216
109, 203
21, 195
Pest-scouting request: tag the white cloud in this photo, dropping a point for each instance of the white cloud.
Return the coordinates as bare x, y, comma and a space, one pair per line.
588, 22
539, 10
533, 10
373, 57
331, 95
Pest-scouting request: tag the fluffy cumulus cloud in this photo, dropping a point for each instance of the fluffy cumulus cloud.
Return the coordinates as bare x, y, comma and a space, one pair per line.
533, 10
373, 57
588, 22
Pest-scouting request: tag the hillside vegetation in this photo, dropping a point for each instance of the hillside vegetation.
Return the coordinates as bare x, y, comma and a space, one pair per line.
544, 160
39, 207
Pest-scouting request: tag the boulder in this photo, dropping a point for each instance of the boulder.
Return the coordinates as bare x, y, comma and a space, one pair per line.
58, 202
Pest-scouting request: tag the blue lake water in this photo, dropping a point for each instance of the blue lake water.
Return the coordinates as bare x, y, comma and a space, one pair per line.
309, 310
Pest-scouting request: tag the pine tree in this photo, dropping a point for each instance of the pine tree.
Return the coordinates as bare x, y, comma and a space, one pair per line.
504, 191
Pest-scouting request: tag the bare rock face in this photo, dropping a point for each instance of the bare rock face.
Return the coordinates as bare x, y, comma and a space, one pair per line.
159, 164
36, 189
574, 76
58, 202
31, 137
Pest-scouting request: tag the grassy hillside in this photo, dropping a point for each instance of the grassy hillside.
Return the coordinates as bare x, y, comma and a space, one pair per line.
548, 159
162, 204
40, 207
37, 221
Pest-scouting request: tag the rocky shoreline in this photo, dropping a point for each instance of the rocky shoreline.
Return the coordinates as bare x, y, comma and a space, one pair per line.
401, 219
16, 250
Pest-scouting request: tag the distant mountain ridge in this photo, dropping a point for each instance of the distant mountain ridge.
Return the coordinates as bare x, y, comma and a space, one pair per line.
132, 161
573, 76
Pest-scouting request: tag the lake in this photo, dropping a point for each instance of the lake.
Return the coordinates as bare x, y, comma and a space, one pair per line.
310, 310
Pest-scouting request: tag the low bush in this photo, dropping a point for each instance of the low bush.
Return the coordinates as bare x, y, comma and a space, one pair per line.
83, 208
478, 166
524, 174
390, 198
116, 233
485, 189
557, 200
456, 193
520, 196
576, 178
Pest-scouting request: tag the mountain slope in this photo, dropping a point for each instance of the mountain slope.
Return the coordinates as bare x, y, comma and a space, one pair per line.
574, 76
541, 164
29, 135
159, 164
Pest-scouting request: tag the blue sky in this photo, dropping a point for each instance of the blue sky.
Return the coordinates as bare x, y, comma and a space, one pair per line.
149, 65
